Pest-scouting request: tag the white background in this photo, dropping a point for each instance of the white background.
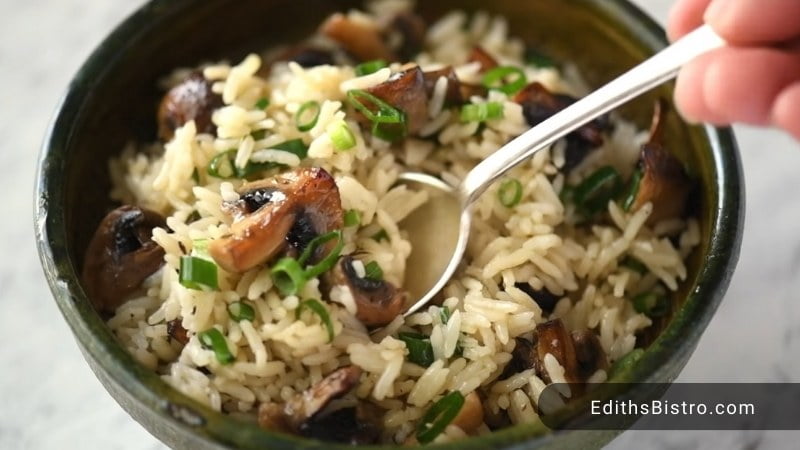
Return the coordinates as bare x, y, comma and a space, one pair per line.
50, 399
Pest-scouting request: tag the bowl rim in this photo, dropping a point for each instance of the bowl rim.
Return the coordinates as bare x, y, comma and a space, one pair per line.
112, 364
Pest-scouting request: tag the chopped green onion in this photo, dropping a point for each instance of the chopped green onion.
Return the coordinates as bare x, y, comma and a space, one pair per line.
262, 103
444, 314
594, 193
567, 194
380, 235
329, 260
288, 276
369, 67
341, 135
311, 107
198, 273
214, 340
634, 264
316, 307
633, 189
480, 112
439, 416
373, 271
352, 218
388, 122
626, 362
651, 304
420, 350
240, 311
539, 60
498, 79
510, 193
222, 165
200, 249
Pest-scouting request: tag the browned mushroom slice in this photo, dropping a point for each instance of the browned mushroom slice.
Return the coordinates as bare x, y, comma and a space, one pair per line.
453, 95
176, 331
120, 256
470, 417
545, 299
289, 209
663, 181
356, 425
552, 337
411, 29
378, 302
538, 104
192, 99
303, 407
406, 92
589, 353
359, 38
482, 57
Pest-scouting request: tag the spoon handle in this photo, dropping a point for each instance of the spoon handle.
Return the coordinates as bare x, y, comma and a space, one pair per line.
661, 67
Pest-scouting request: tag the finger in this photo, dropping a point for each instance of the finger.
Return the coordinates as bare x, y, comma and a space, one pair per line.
685, 16
736, 84
786, 111
747, 22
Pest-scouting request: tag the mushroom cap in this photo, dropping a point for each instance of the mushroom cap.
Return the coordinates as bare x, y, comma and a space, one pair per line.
191, 99
378, 301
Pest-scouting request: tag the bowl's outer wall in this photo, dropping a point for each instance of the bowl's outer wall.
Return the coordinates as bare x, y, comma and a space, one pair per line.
113, 99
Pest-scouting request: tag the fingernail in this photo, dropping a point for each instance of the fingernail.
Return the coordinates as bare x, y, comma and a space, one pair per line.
715, 11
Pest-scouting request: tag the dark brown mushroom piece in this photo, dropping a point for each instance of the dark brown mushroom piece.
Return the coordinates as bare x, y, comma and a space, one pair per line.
295, 415
552, 337
470, 416
664, 181
539, 104
307, 56
378, 301
411, 29
281, 213
407, 92
120, 256
191, 99
361, 39
482, 57
545, 299
589, 353
355, 425
453, 94
176, 331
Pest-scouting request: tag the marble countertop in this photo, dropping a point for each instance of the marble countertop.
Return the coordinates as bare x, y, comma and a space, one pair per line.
50, 398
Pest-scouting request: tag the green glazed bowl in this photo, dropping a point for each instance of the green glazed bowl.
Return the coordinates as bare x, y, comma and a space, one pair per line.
112, 100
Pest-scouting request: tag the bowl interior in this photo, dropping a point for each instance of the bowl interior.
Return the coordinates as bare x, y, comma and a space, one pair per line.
112, 101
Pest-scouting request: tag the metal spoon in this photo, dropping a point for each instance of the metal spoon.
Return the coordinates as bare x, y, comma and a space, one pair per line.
438, 248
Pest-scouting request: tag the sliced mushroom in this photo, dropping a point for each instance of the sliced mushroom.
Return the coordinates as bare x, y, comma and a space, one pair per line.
664, 182
552, 337
288, 210
192, 99
356, 425
293, 416
544, 298
470, 417
538, 104
378, 302
482, 57
411, 30
360, 38
405, 91
176, 331
121, 255
453, 94
589, 353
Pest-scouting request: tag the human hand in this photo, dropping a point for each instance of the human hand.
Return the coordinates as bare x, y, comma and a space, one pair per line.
756, 79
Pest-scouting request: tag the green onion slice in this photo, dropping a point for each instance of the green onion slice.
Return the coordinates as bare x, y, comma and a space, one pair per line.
626, 362
369, 67
329, 260
288, 276
481, 112
262, 103
444, 314
439, 416
200, 248
212, 339
307, 116
388, 122
651, 304
537, 59
420, 350
198, 273
240, 311
510, 193
341, 135
352, 218
222, 165
506, 79
594, 193
373, 271
316, 307
633, 189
